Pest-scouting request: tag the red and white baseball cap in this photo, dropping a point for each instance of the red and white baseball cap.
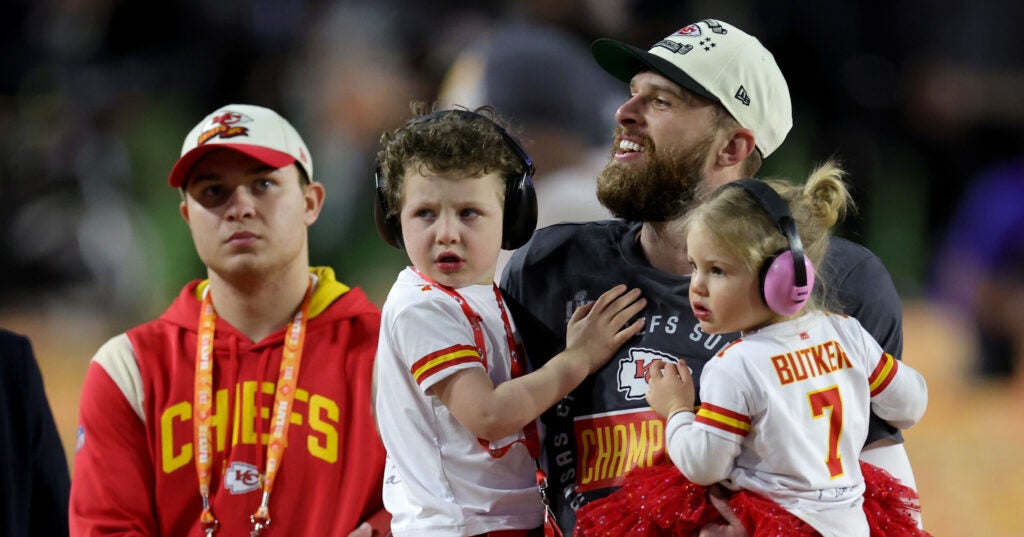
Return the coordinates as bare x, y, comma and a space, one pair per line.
256, 131
720, 62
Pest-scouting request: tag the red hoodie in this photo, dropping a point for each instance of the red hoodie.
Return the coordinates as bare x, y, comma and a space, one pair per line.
134, 471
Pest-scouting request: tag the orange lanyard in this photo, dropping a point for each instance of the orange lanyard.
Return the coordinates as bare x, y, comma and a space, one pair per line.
518, 365
284, 396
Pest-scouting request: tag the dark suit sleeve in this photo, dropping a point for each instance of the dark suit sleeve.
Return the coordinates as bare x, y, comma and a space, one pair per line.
36, 482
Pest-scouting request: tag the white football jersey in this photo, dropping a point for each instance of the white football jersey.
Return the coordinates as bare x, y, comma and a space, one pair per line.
791, 402
439, 479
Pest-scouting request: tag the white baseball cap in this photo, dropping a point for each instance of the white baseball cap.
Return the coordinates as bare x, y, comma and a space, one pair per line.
256, 131
720, 62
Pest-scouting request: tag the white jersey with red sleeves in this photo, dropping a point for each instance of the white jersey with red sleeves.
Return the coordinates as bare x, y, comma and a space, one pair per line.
567, 265
439, 479
791, 403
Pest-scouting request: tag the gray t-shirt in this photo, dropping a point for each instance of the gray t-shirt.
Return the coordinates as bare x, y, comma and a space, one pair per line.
605, 428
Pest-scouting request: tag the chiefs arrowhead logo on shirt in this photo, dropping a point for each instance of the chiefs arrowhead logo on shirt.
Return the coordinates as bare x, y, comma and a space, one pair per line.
635, 371
241, 478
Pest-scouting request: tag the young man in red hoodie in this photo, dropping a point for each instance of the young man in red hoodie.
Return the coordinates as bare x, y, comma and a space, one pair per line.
245, 406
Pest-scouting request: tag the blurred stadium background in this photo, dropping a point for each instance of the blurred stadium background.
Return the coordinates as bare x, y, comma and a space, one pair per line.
921, 102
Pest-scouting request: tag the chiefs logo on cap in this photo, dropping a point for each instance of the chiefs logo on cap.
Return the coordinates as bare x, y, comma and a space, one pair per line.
691, 30
226, 125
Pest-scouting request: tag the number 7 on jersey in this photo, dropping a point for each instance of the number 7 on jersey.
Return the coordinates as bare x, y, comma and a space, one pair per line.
820, 401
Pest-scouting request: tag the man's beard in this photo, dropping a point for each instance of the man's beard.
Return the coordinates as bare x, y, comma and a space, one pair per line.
660, 190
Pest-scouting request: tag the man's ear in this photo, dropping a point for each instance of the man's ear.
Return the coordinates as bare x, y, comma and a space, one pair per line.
738, 145
314, 194
183, 208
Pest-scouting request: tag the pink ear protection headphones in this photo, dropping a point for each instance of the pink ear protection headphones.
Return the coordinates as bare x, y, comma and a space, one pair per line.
787, 277
520, 210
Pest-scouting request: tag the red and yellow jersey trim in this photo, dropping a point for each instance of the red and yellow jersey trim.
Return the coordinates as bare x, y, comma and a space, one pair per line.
438, 361
724, 419
883, 374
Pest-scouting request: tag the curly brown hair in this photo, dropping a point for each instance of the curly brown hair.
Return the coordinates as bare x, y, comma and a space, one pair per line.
465, 140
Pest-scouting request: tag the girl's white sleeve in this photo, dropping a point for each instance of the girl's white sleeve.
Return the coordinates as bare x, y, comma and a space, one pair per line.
702, 457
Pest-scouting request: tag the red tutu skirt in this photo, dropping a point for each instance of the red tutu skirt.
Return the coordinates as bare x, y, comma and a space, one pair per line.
658, 501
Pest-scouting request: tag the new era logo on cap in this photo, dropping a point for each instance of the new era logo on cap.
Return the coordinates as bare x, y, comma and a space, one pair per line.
741, 96
717, 61
256, 131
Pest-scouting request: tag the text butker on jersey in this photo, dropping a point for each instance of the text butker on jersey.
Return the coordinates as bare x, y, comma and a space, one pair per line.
605, 427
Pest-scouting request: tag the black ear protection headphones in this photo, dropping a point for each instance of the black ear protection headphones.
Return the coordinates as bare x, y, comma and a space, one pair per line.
520, 208
787, 277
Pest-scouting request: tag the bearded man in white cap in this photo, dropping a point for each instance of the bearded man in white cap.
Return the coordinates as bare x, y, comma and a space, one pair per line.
245, 407
706, 105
